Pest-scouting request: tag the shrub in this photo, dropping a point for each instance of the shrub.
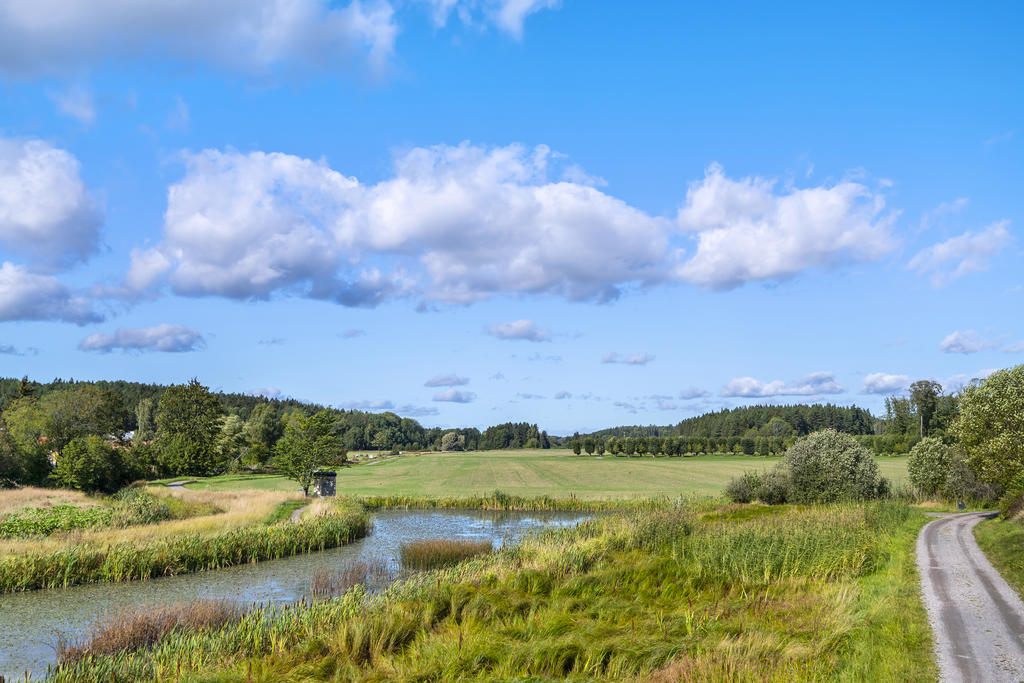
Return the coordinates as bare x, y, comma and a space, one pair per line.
774, 487
928, 466
89, 464
137, 506
827, 466
743, 488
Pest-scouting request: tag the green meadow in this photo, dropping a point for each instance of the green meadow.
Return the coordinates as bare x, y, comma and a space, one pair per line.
554, 473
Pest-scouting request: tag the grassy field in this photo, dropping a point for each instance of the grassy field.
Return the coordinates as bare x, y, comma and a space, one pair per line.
555, 473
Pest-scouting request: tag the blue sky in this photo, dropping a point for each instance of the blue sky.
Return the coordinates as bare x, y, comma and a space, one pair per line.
579, 214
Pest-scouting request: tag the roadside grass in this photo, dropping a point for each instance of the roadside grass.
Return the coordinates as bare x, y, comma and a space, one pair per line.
1002, 541
556, 473
816, 593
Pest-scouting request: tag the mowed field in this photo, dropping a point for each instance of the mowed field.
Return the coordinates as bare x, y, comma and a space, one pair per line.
555, 473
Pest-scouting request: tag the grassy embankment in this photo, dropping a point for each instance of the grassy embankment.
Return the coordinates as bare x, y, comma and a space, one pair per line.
534, 473
1002, 540
681, 593
239, 534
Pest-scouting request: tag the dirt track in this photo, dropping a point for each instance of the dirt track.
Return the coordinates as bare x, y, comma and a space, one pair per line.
977, 619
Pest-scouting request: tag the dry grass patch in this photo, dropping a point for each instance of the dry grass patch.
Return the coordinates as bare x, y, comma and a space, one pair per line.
135, 628
12, 500
240, 509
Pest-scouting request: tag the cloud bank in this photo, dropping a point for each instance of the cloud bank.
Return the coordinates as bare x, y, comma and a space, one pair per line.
808, 385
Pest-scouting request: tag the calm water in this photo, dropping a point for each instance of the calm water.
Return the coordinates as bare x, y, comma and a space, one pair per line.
30, 622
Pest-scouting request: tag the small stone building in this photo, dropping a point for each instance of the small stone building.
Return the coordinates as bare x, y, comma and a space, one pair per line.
324, 483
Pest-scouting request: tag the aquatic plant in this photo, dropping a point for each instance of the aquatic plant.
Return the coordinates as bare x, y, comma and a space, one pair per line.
440, 552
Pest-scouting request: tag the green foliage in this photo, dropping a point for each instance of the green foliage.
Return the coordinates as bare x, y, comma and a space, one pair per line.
743, 488
308, 443
928, 466
773, 488
145, 420
135, 505
990, 426
828, 466
45, 521
188, 424
453, 441
90, 464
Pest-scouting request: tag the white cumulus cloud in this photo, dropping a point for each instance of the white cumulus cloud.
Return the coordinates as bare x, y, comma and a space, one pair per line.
455, 396
59, 36
449, 380
967, 253
808, 385
519, 329
46, 212
165, 337
456, 224
967, 341
882, 383
30, 296
746, 231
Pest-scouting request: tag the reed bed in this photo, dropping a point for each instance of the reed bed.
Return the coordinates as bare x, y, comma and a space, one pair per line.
500, 501
135, 628
180, 554
330, 583
441, 552
621, 597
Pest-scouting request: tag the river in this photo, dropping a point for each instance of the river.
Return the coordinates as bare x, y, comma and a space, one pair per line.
31, 622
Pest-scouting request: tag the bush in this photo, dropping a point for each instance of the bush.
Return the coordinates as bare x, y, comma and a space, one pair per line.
137, 506
928, 466
743, 488
89, 464
827, 466
774, 487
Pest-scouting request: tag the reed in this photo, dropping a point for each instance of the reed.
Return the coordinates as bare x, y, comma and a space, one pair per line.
182, 554
440, 552
134, 628
501, 501
330, 583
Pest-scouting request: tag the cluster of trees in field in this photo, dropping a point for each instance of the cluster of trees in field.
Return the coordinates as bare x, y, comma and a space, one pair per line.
514, 435
771, 429
968, 446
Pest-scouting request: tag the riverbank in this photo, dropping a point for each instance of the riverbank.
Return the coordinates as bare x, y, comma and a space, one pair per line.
751, 592
173, 548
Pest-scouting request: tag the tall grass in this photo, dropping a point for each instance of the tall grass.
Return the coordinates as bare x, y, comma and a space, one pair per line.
501, 501
135, 628
621, 597
441, 552
330, 583
182, 554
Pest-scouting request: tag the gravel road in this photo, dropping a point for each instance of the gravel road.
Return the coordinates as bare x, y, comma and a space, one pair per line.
977, 619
